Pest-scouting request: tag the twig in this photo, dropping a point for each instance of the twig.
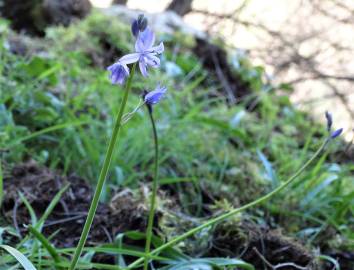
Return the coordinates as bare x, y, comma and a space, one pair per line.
279, 265
14, 218
222, 79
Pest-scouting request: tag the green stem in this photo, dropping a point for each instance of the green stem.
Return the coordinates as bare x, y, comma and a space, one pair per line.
1, 184
153, 193
234, 211
103, 174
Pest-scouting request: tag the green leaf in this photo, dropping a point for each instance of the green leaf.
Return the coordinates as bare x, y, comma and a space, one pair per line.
191, 266
29, 208
208, 264
27, 265
50, 208
41, 238
42, 68
269, 171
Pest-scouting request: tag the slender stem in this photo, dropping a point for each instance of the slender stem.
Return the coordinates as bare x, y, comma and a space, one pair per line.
234, 211
153, 193
1, 184
103, 174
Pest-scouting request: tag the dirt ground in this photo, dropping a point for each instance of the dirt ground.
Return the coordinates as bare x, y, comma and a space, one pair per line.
39, 185
263, 247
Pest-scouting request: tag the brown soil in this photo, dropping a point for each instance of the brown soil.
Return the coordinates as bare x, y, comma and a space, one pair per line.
260, 246
39, 185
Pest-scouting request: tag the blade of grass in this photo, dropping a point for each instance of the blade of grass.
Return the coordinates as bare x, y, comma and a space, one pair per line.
38, 224
29, 208
27, 265
115, 250
51, 250
46, 130
51, 206
88, 266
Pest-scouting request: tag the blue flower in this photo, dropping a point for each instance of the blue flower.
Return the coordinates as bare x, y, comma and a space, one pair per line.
146, 53
119, 71
336, 133
155, 96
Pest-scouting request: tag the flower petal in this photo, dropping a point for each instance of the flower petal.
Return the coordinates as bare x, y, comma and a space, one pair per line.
158, 49
145, 41
119, 72
152, 60
130, 58
143, 70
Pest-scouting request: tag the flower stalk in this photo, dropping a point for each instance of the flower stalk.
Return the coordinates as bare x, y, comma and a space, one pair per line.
103, 173
154, 189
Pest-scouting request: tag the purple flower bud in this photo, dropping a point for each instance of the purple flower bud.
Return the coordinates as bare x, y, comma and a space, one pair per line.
142, 22
135, 28
155, 96
329, 120
119, 71
139, 25
336, 133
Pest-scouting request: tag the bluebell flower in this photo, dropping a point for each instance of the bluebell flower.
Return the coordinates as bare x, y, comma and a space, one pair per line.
155, 96
119, 72
146, 53
336, 133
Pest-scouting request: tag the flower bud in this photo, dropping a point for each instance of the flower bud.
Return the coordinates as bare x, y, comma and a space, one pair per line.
139, 25
153, 97
329, 120
135, 28
142, 23
336, 133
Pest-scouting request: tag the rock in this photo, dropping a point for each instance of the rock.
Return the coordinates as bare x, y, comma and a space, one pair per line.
33, 16
65, 11
164, 22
